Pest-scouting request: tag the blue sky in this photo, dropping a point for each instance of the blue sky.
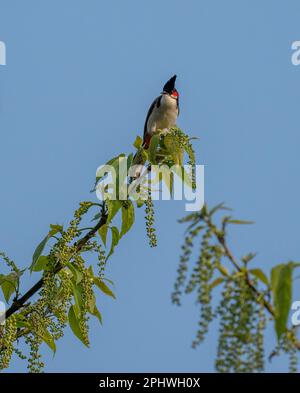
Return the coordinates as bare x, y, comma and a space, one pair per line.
75, 91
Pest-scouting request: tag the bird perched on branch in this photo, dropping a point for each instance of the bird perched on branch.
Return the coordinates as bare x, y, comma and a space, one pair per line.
163, 112
161, 116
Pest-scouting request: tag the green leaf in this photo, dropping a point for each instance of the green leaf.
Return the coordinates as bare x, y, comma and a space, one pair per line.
103, 233
77, 298
189, 217
115, 160
108, 280
91, 271
242, 222
96, 217
138, 142
41, 264
47, 338
144, 156
93, 310
103, 287
23, 324
8, 289
38, 252
74, 324
183, 175
114, 240
281, 285
204, 210
4, 278
113, 208
258, 273
220, 206
54, 229
168, 179
153, 148
216, 282
101, 172
129, 161
96, 313
139, 203
127, 218
247, 258
77, 275
222, 269
9, 284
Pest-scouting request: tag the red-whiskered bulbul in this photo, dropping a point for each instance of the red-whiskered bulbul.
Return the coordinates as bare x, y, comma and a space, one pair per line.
162, 115
163, 112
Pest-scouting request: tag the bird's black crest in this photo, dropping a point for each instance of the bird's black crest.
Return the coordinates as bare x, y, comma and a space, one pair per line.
170, 85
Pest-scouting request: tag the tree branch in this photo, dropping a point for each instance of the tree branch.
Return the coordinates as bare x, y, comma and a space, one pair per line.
36, 287
221, 238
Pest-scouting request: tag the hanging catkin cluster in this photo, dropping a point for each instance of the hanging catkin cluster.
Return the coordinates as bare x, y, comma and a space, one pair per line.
8, 334
66, 280
244, 306
149, 217
242, 323
184, 143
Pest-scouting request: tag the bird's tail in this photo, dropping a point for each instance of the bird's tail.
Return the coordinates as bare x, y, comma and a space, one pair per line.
146, 141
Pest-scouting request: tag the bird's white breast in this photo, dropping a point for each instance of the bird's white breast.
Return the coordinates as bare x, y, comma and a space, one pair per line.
164, 116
